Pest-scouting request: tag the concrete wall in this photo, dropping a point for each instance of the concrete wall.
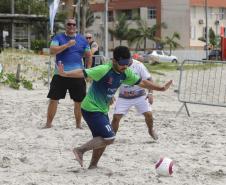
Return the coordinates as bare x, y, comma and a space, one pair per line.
198, 21
176, 14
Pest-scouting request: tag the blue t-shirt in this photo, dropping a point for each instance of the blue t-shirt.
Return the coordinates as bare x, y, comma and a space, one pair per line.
72, 56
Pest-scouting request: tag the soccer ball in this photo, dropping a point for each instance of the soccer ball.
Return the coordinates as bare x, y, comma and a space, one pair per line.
164, 166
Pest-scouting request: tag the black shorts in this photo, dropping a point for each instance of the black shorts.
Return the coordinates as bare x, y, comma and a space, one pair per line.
59, 86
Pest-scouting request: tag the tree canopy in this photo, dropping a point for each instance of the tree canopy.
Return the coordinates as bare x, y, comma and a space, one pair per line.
120, 31
38, 7
143, 32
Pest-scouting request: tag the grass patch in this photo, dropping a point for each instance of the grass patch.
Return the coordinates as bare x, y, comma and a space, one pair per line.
161, 68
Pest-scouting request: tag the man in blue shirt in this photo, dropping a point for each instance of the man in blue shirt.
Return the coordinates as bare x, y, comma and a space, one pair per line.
69, 48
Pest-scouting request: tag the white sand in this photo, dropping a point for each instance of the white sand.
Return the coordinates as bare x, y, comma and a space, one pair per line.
30, 155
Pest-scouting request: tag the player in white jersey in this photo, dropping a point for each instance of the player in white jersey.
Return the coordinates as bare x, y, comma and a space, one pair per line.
136, 96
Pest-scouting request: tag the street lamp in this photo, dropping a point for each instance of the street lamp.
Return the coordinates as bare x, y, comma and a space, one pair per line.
206, 14
76, 8
78, 15
106, 29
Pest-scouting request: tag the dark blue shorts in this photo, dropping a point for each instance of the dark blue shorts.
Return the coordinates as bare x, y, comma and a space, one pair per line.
99, 124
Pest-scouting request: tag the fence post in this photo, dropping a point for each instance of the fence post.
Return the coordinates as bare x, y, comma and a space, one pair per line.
18, 73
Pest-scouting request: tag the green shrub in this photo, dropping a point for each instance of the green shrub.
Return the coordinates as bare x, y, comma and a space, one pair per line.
10, 80
38, 45
27, 84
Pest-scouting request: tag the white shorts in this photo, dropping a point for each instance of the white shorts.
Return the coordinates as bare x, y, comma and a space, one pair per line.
123, 105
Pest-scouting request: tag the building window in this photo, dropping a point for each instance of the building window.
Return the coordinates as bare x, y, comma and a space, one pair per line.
210, 13
204, 32
110, 16
221, 13
151, 13
130, 14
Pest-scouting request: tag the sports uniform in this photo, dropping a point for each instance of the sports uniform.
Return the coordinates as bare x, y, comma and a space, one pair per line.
95, 105
133, 95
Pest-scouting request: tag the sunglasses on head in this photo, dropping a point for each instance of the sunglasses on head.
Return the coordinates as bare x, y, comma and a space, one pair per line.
88, 37
71, 24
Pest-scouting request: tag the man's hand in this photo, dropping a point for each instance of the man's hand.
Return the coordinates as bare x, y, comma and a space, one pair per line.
167, 85
150, 98
60, 68
71, 43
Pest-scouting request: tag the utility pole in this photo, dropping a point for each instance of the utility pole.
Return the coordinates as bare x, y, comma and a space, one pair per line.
106, 29
206, 14
78, 14
12, 24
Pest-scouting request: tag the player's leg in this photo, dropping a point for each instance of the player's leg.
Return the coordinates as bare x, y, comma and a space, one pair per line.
97, 153
102, 132
51, 111
78, 114
77, 91
143, 107
94, 144
149, 122
121, 108
57, 91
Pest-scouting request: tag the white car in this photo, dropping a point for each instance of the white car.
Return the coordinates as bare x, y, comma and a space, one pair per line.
160, 56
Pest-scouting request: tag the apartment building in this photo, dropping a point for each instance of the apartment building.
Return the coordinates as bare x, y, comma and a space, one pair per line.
216, 17
175, 13
187, 17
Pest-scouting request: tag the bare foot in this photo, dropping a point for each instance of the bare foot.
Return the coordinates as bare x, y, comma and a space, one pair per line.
47, 126
91, 167
153, 134
78, 156
79, 127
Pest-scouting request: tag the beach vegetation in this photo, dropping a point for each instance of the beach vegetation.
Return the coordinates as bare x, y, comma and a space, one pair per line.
11, 80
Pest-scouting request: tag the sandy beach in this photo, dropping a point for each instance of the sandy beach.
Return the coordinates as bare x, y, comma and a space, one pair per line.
30, 155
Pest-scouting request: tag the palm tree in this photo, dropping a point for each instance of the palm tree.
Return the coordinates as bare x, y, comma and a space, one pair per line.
121, 28
170, 41
143, 33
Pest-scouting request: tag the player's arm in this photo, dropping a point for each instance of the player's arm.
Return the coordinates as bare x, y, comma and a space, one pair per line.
78, 73
152, 86
88, 58
56, 48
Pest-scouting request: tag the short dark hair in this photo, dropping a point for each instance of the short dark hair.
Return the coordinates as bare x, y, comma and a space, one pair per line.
121, 52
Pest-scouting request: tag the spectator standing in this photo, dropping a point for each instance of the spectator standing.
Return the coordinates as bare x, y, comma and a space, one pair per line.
69, 48
93, 46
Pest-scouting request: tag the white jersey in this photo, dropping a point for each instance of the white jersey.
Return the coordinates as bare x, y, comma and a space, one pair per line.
128, 91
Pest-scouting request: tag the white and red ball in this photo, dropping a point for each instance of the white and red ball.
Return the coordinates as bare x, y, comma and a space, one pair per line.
164, 166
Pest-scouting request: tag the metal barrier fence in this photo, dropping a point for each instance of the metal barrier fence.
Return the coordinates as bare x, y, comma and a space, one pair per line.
202, 82
98, 60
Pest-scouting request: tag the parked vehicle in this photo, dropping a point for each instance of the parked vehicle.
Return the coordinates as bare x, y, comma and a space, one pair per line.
215, 55
159, 56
